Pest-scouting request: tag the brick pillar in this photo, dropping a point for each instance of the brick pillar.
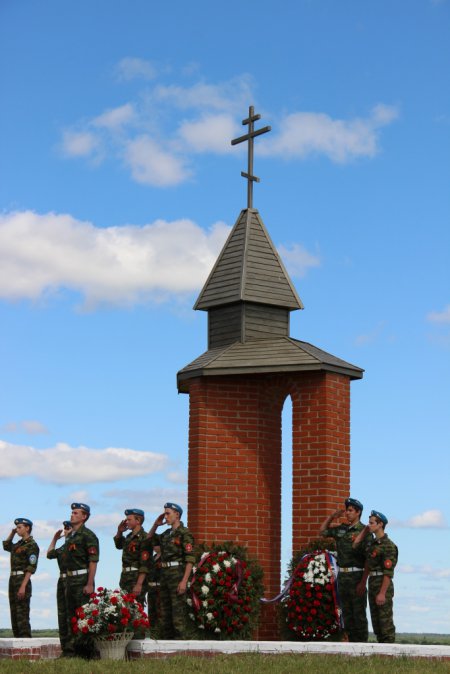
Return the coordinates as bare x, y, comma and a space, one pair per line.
320, 450
234, 484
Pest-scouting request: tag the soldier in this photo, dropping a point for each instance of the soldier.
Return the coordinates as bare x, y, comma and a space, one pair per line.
60, 555
351, 565
24, 559
177, 560
381, 559
82, 555
137, 554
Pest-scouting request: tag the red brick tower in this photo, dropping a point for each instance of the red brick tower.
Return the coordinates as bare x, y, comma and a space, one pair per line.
237, 389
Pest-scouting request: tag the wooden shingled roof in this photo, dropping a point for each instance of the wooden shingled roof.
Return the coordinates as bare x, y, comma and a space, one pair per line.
283, 354
249, 269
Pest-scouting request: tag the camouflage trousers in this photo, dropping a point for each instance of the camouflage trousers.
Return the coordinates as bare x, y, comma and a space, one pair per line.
128, 580
63, 628
153, 610
382, 616
76, 645
19, 608
353, 606
173, 618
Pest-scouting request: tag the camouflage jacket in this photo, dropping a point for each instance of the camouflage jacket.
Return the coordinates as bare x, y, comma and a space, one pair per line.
344, 535
61, 557
81, 547
24, 554
177, 545
382, 555
137, 550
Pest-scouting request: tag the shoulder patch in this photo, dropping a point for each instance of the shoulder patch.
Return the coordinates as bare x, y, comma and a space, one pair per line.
32, 559
387, 563
145, 555
92, 550
188, 547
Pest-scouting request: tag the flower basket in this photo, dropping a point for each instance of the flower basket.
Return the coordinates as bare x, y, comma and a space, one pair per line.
113, 647
224, 593
310, 609
108, 615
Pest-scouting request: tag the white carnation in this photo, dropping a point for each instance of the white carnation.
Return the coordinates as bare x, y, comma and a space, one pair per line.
208, 577
216, 568
209, 616
226, 563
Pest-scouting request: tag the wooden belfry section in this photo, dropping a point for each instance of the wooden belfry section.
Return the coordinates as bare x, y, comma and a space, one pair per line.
237, 389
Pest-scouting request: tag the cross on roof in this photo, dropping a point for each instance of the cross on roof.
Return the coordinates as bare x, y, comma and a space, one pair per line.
250, 136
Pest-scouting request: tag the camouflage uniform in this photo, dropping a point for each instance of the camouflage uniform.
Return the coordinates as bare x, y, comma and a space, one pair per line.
177, 550
153, 588
81, 548
60, 556
351, 567
137, 553
24, 558
381, 559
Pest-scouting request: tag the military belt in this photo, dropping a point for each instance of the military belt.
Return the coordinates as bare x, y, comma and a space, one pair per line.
63, 575
166, 565
17, 573
376, 573
130, 568
349, 569
152, 584
77, 572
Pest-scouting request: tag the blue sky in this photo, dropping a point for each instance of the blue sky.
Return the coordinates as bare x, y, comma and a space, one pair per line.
118, 186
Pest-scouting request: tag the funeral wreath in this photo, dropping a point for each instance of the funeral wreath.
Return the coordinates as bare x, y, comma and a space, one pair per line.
224, 593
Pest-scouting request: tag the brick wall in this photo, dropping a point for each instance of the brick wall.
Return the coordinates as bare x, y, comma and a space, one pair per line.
235, 462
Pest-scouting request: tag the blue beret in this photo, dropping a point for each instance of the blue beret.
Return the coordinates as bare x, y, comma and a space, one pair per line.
23, 520
174, 506
355, 503
135, 511
376, 513
67, 524
81, 506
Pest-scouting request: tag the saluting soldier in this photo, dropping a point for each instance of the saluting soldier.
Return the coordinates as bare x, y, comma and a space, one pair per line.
82, 555
60, 555
137, 553
177, 560
381, 559
24, 559
351, 566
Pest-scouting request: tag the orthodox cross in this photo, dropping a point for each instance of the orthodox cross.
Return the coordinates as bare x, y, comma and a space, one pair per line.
250, 136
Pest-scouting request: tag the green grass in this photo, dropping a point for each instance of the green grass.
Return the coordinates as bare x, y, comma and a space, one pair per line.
236, 664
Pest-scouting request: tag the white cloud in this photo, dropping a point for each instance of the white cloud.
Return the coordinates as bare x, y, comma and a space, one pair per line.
177, 477
130, 68
429, 519
79, 143
305, 133
440, 316
426, 570
151, 501
297, 259
148, 137
115, 118
231, 96
210, 133
152, 165
40, 254
29, 426
63, 464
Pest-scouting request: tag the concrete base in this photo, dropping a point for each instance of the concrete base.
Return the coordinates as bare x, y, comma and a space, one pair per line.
149, 648
49, 648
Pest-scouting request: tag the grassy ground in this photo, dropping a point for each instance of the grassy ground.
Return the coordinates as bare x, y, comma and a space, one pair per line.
236, 664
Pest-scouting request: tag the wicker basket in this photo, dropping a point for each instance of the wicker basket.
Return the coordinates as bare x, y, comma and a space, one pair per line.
114, 646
